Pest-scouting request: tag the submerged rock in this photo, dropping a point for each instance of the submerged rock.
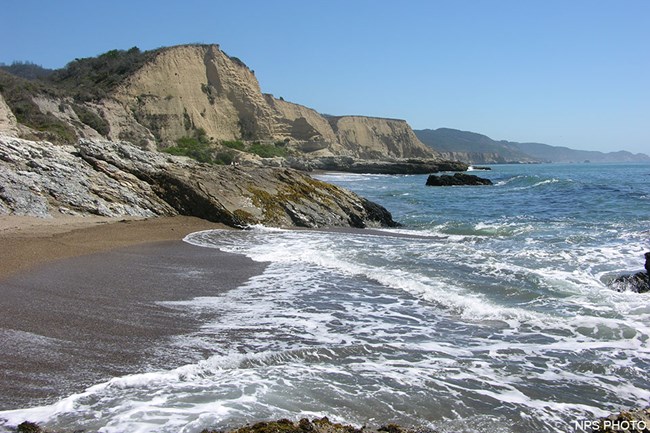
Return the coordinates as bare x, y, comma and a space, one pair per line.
118, 179
458, 179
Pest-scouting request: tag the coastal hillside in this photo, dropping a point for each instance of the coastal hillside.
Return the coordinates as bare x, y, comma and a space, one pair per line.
474, 148
154, 99
547, 153
470, 147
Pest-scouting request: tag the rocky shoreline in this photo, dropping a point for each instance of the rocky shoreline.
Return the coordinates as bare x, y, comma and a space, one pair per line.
117, 179
635, 421
317, 425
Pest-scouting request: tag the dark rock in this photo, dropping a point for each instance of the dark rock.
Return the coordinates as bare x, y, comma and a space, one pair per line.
456, 180
28, 427
322, 425
638, 283
389, 166
633, 421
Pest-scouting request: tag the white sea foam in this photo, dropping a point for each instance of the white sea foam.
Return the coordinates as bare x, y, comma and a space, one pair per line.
493, 323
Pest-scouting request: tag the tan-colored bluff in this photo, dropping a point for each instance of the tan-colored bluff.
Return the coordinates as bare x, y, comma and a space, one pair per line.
185, 90
189, 87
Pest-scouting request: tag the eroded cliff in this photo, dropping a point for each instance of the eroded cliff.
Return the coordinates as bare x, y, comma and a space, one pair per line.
200, 91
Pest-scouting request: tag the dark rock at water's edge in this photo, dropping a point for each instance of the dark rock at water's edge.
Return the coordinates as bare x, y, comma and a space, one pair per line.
116, 179
638, 283
633, 421
385, 166
481, 168
458, 179
322, 425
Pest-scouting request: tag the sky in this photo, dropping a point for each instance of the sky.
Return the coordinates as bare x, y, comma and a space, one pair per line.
572, 73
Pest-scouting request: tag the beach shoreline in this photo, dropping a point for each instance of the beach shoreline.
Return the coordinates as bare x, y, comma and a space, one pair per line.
81, 299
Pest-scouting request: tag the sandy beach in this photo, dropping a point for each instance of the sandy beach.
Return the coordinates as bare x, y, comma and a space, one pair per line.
79, 299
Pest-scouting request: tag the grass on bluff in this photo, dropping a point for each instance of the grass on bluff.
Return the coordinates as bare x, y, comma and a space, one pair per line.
84, 80
200, 148
19, 94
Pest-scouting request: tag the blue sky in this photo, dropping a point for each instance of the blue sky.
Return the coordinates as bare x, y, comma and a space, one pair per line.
570, 73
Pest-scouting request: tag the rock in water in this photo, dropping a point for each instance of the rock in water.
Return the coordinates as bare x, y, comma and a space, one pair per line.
633, 421
639, 282
456, 180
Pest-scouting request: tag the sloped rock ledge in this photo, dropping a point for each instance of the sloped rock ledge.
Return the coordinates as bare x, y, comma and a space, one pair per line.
117, 179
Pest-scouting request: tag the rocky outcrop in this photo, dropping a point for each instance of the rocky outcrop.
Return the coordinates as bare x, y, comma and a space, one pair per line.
638, 282
458, 179
317, 425
40, 179
630, 421
8, 124
385, 166
117, 179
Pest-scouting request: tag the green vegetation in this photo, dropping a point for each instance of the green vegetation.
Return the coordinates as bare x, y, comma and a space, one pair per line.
83, 80
19, 95
192, 147
27, 70
94, 77
200, 148
267, 150
91, 119
235, 145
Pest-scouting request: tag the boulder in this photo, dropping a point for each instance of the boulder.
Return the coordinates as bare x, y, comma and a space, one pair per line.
638, 282
629, 421
457, 179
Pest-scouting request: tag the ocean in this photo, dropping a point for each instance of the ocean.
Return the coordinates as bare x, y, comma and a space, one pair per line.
489, 310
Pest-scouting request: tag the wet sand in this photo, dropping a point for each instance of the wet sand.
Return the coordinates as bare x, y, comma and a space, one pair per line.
79, 307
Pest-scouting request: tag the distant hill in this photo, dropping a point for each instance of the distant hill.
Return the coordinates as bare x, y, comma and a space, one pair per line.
27, 70
471, 147
476, 148
545, 152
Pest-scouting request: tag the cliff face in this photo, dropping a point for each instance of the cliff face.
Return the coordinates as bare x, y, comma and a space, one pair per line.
198, 90
372, 138
189, 87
